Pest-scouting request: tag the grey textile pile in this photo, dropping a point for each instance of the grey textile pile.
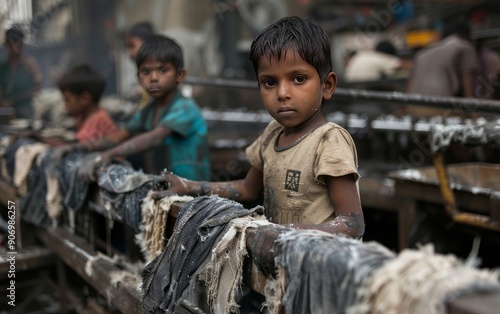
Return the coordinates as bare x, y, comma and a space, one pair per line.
325, 273
125, 188
198, 228
32, 205
73, 187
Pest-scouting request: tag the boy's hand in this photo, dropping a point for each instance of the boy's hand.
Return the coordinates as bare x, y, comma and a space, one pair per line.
262, 247
91, 169
58, 153
176, 185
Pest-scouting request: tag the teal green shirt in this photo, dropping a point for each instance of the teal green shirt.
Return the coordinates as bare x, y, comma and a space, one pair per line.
185, 152
16, 82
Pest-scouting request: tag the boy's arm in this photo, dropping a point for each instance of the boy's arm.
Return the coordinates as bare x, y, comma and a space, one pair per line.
348, 213
104, 143
348, 221
139, 143
122, 144
238, 190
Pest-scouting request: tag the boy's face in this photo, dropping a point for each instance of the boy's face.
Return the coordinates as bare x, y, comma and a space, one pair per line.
292, 90
133, 43
75, 104
159, 79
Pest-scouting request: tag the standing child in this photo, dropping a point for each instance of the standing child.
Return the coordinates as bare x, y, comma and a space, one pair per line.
306, 166
170, 129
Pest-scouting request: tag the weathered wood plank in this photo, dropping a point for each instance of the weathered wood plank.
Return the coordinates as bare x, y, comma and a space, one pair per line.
76, 253
27, 259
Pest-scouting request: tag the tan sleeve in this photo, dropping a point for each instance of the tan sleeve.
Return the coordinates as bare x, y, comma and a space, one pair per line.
336, 155
253, 153
255, 150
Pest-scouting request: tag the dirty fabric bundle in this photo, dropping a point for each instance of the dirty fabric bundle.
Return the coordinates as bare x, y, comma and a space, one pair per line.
5, 143
318, 272
10, 154
32, 205
223, 274
197, 229
420, 281
26, 155
154, 221
73, 187
124, 189
53, 197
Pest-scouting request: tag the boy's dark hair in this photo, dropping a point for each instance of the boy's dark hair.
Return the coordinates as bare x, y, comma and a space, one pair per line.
306, 37
82, 78
14, 33
456, 26
161, 48
143, 30
385, 46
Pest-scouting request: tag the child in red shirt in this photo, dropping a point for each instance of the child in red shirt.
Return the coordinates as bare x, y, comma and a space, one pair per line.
82, 88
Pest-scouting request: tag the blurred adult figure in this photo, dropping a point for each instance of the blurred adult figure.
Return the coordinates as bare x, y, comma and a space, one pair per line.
447, 67
20, 76
134, 37
489, 66
373, 65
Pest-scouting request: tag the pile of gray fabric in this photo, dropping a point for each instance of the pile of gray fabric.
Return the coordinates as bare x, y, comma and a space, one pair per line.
198, 228
32, 205
73, 187
318, 272
124, 189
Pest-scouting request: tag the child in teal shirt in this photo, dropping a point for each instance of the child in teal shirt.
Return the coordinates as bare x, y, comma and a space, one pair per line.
170, 130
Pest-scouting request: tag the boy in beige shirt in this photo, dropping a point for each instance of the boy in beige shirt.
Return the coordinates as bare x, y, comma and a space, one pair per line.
305, 165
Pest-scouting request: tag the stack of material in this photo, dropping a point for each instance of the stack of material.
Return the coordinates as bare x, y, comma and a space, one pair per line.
199, 227
151, 238
200, 270
322, 273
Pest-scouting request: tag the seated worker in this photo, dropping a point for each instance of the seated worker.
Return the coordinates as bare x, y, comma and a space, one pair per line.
20, 76
374, 65
170, 129
135, 37
305, 165
82, 88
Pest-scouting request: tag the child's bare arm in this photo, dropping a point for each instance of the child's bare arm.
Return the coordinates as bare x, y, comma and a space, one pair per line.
239, 190
125, 146
139, 143
348, 213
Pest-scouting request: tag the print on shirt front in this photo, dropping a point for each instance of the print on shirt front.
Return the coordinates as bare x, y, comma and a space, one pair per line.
292, 180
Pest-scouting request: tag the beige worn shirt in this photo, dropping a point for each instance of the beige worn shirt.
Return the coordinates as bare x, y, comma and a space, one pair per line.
294, 177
